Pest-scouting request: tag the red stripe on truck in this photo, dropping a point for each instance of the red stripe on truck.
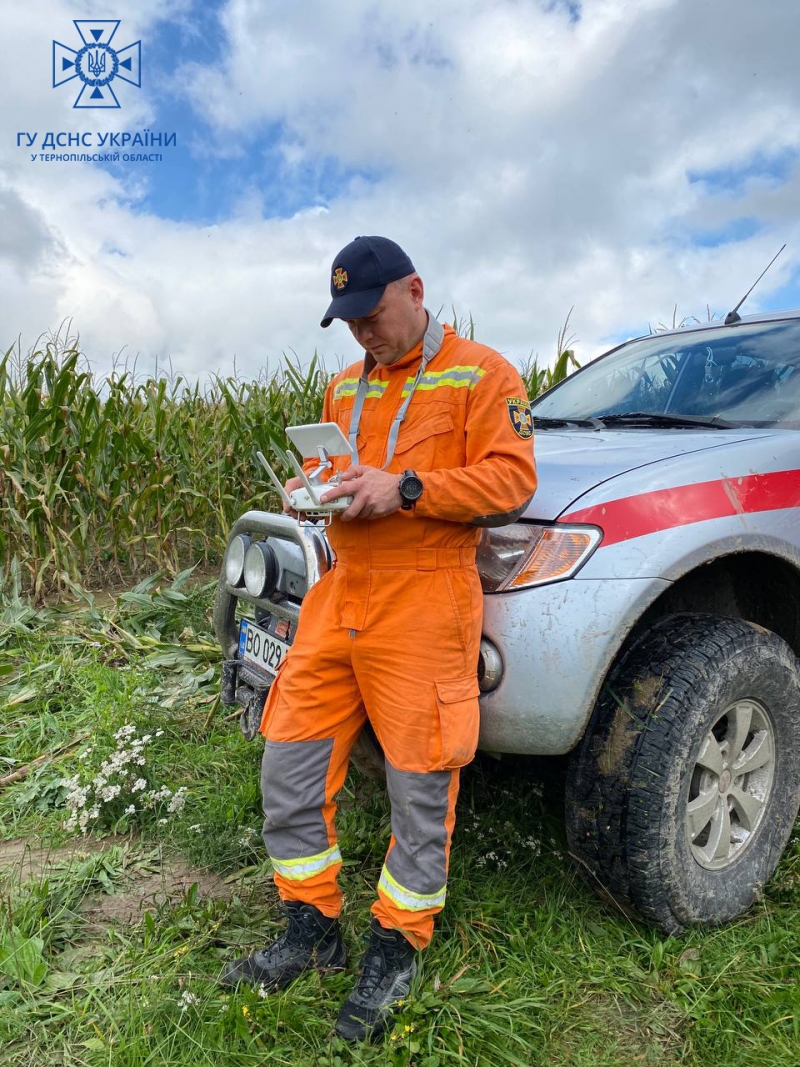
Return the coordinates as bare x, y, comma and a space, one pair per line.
663, 509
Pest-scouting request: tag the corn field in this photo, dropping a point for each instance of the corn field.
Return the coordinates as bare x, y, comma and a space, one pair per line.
103, 480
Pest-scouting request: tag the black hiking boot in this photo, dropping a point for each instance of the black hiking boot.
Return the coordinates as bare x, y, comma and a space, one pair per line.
387, 970
310, 941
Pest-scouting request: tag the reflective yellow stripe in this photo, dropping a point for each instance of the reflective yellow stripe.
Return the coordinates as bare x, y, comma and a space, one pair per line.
457, 368
458, 371
307, 866
406, 899
346, 387
453, 383
349, 387
459, 377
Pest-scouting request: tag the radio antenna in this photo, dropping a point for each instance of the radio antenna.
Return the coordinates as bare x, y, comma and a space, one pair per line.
734, 316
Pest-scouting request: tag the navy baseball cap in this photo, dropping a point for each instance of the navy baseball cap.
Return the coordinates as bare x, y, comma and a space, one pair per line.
360, 274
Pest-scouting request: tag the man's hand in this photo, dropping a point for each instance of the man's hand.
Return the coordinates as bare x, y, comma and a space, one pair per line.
375, 493
289, 488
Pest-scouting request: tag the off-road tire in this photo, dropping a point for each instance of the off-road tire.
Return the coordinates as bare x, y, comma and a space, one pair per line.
366, 755
628, 781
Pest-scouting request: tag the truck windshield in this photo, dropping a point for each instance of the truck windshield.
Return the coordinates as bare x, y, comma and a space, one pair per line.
747, 375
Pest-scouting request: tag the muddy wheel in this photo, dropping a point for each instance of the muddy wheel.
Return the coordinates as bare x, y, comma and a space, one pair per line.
367, 755
684, 791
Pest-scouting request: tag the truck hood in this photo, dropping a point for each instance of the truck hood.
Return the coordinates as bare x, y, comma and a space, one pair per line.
571, 462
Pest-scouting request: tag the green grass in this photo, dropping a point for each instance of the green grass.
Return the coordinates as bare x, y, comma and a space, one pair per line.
526, 967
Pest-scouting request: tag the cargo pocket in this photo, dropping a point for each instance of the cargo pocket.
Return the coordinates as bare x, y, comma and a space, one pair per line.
459, 722
271, 701
418, 443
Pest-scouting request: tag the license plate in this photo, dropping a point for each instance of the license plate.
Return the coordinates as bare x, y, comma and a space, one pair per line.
260, 649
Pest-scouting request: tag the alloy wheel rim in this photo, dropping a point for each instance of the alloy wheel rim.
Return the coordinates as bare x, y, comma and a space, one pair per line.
730, 785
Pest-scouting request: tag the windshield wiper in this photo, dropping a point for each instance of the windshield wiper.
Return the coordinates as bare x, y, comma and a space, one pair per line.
545, 423
649, 418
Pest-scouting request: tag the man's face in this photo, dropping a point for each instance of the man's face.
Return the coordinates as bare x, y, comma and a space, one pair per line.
392, 328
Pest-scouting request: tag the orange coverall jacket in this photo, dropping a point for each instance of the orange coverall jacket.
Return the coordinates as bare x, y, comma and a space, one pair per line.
392, 632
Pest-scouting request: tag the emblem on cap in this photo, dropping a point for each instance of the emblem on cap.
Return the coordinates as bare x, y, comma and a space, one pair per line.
340, 278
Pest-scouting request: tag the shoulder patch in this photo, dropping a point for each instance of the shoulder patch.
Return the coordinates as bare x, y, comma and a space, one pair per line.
519, 411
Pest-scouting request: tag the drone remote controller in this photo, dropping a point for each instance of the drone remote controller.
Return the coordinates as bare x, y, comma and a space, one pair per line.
315, 441
302, 501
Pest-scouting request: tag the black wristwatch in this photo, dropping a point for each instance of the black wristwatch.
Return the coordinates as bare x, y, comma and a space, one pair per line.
410, 486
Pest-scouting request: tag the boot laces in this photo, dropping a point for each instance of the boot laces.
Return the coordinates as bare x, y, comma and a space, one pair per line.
301, 929
382, 956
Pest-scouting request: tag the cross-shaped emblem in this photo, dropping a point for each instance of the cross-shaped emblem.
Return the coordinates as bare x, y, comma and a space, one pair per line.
97, 63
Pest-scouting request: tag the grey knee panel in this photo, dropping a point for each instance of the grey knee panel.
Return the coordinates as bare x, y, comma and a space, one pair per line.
293, 775
418, 860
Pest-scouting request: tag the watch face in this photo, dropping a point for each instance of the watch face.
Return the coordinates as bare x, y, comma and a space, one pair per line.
410, 487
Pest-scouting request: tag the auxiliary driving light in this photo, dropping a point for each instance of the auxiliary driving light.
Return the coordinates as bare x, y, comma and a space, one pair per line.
260, 569
234, 559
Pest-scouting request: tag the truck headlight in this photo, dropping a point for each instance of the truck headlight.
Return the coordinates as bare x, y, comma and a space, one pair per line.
234, 559
260, 569
525, 554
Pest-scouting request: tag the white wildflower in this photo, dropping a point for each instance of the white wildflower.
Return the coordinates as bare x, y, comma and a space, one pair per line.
262, 991
77, 797
178, 801
162, 822
138, 785
164, 793
188, 1000
130, 810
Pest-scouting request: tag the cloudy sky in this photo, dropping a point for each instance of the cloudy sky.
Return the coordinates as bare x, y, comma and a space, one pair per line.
618, 156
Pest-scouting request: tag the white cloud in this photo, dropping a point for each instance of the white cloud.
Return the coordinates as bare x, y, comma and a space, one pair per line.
526, 161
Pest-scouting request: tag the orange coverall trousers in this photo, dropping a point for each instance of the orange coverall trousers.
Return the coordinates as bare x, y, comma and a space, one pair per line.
393, 632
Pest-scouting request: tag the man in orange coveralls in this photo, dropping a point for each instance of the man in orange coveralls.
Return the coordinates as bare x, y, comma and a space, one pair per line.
441, 433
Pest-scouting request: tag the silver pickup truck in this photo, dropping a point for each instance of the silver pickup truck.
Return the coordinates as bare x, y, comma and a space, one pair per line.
642, 615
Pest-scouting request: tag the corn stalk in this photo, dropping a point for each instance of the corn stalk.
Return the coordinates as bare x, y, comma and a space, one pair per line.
107, 479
